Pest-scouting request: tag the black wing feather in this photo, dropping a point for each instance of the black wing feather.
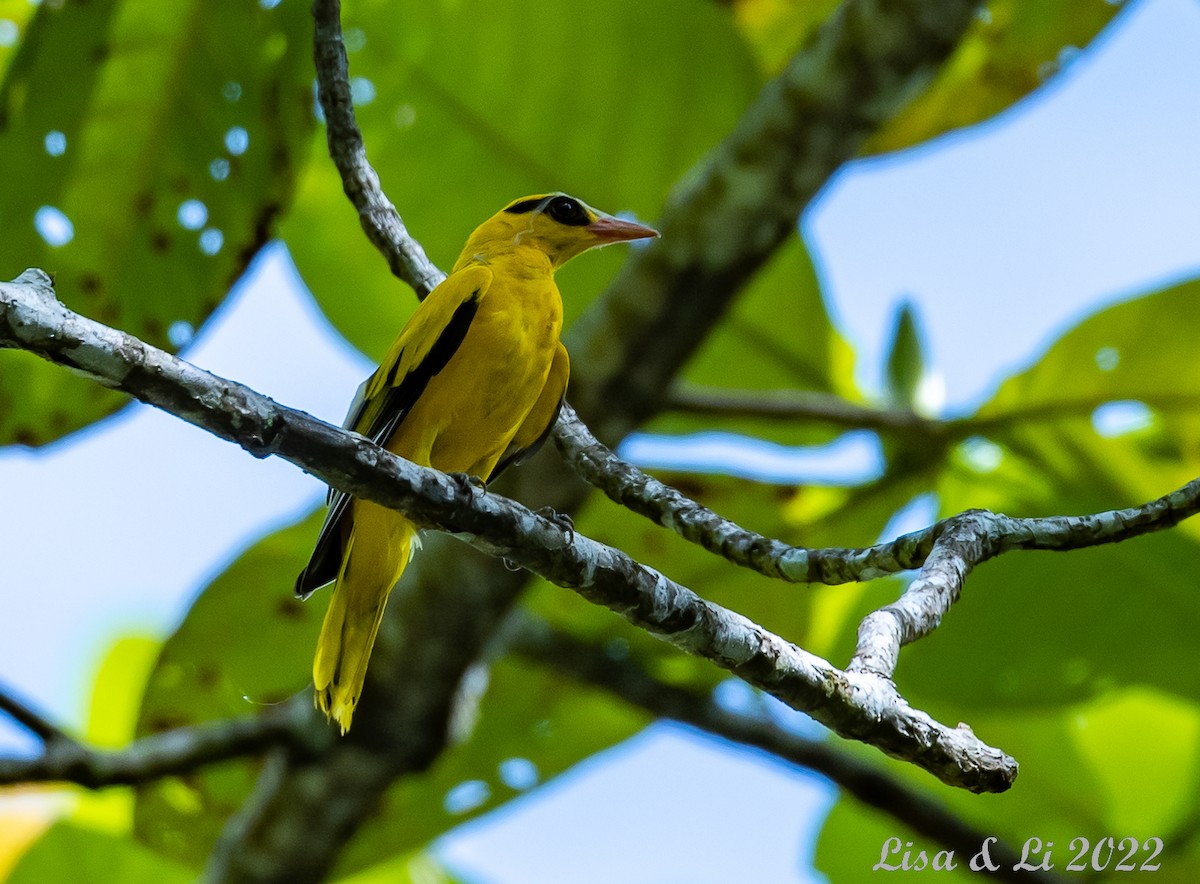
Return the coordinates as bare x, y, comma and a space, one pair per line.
326, 559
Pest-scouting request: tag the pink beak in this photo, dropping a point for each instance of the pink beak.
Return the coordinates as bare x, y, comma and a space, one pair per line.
608, 229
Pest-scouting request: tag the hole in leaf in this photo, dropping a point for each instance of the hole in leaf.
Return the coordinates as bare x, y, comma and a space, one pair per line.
519, 773
981, 455
237, 140
1118, 418
1108, 358
54, 226
56, 143
180, 332
211, 240
192, 214
362, 91
467, 796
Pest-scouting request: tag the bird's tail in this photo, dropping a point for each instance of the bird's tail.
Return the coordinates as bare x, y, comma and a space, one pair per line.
373, 562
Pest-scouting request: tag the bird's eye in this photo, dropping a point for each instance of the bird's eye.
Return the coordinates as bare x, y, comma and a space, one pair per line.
565, 210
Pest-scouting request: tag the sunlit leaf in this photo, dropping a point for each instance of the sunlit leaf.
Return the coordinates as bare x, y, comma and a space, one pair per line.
68, 852
245, 644
1141, 350
111, 720
147, 150
1011, 48
777, 28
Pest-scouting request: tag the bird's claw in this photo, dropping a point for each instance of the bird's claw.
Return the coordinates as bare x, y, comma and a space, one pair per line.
467, 484
562, 520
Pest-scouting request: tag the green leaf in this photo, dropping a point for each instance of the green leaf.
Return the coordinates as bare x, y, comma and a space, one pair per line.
581, 97
1098, 618
531, 726
420, 868
246, 643
778, 336
905, 359
117, 116
1142, 350
68, 852
111, 719
1144, 793
775, 29
1083, 622
1010, 49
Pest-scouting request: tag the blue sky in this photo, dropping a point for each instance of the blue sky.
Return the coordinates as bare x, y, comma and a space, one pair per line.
1002, 236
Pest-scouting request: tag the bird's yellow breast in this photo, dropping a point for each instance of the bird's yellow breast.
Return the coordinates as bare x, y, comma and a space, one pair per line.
474, 406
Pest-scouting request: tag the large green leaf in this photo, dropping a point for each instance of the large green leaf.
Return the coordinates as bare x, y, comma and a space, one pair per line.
244, 644
467, 105
778, 336
163, 138
1123, 765
1046, 628
1143, 349
1011, 48
68, 852
531, 726
1113, 615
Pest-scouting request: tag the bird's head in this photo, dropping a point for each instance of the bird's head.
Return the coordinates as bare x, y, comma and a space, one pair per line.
559, 225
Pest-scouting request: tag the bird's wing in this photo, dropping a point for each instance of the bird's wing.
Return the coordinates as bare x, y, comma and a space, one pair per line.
428, 341
541, 418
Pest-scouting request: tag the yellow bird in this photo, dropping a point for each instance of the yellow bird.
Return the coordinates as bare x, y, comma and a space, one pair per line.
473, 383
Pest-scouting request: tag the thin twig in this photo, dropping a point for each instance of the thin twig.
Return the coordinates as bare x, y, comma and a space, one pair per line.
176, 751
799, 405
379, 218
640, 492
23, 715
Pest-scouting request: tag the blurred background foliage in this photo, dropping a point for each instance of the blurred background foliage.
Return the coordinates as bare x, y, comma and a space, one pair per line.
150, 150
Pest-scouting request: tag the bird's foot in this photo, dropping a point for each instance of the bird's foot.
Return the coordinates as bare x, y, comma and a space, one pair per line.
562, 520
467, 484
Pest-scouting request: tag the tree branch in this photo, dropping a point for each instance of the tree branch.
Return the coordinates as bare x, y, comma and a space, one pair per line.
640, 492
379, 218
972, 537
23, 715
883, 53
574, 658
856, 705
177, 751
800, 405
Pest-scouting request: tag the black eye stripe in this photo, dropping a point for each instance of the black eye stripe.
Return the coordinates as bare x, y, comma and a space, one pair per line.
563, 209
525, 205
